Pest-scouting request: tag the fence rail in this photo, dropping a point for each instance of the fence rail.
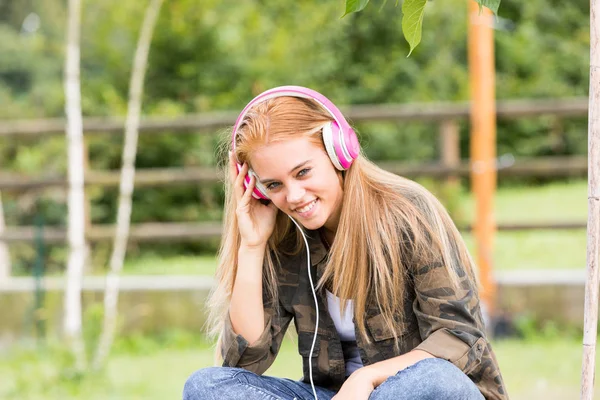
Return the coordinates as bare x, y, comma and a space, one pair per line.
149, 177
568, 107
186, 231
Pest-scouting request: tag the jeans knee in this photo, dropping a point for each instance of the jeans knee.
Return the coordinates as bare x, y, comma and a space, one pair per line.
455, 390
205, 381
451, 383
430, 379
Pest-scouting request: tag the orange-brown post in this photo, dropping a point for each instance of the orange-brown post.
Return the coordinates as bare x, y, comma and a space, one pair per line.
483, 143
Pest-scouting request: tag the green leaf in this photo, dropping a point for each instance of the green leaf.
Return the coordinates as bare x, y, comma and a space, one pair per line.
355, 6
491, 4
412, 21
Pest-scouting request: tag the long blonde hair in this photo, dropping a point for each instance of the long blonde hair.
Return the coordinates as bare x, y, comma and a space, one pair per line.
388, 225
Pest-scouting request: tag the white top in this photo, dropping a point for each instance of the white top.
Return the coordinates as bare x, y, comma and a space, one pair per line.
345, 328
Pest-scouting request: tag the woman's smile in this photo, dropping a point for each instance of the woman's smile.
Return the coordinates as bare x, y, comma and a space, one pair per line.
308, 210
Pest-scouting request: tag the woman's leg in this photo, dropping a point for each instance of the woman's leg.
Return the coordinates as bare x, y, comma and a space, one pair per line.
429, 379
218, 383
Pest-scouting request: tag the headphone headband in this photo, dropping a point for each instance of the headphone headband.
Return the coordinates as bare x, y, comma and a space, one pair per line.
292, 91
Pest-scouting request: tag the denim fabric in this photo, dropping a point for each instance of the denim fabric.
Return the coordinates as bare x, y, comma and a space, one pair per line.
429, 379
226, 383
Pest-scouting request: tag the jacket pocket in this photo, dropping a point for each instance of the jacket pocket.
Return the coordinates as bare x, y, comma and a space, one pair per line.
316, 360
387, 344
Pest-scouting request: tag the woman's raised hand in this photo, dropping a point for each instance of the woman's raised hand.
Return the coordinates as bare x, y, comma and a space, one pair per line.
256, 220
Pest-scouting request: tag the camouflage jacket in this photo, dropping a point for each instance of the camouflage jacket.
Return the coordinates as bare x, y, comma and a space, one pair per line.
437, 320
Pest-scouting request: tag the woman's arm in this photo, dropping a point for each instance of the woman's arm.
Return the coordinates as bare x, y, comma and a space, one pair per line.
253, 327
382, 370
364, 380
246, 307
259, 355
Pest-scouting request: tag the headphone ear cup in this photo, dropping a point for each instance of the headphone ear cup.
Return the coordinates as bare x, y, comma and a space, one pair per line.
328, 133
342, 147
259, 192
351, 143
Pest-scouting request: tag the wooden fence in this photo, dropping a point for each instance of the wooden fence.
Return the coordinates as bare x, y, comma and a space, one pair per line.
446, 115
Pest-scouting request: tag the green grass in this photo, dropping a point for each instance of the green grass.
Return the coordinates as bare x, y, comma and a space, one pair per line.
138, 369
546, 369
537, 250
555, 202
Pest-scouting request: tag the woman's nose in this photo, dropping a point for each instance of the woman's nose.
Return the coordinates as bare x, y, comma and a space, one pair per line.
295, 194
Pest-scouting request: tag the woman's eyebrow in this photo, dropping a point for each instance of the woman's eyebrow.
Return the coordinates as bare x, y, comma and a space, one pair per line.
303, 163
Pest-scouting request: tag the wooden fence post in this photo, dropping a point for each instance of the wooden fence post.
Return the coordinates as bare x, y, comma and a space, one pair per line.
5, 267
450, 147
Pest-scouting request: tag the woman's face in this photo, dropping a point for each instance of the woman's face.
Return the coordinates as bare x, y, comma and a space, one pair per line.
301, 181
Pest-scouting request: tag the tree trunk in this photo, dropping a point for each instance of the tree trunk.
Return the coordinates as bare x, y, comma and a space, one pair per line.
590, 322
5, 267
76, 233
111, 293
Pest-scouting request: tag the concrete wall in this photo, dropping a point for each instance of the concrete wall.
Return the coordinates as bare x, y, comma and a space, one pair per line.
146, 304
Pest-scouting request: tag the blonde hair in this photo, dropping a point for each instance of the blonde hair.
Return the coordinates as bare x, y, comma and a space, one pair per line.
405, 226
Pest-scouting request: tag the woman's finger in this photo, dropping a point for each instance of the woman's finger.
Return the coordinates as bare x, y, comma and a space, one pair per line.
238, 185
248, 193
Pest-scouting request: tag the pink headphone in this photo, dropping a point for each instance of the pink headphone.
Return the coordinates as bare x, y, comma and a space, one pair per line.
340, 139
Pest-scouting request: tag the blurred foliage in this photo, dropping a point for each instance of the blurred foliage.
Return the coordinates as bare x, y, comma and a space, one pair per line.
217, 54
530, 329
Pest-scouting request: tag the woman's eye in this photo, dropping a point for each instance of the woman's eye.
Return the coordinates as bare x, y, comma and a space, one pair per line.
304, 172
276, 185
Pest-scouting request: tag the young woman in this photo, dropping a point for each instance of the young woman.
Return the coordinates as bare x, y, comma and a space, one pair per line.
393, 310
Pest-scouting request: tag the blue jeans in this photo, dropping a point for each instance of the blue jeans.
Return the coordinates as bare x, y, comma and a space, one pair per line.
429, 379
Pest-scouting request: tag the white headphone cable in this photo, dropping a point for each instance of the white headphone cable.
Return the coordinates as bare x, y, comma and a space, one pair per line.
312, 286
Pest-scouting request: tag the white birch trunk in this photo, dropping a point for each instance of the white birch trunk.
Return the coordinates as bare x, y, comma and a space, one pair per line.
5, 267
590, 328
76, 233
136, 85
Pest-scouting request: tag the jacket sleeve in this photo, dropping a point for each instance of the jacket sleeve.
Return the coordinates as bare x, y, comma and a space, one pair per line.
452, 328
449, 318
258, 357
